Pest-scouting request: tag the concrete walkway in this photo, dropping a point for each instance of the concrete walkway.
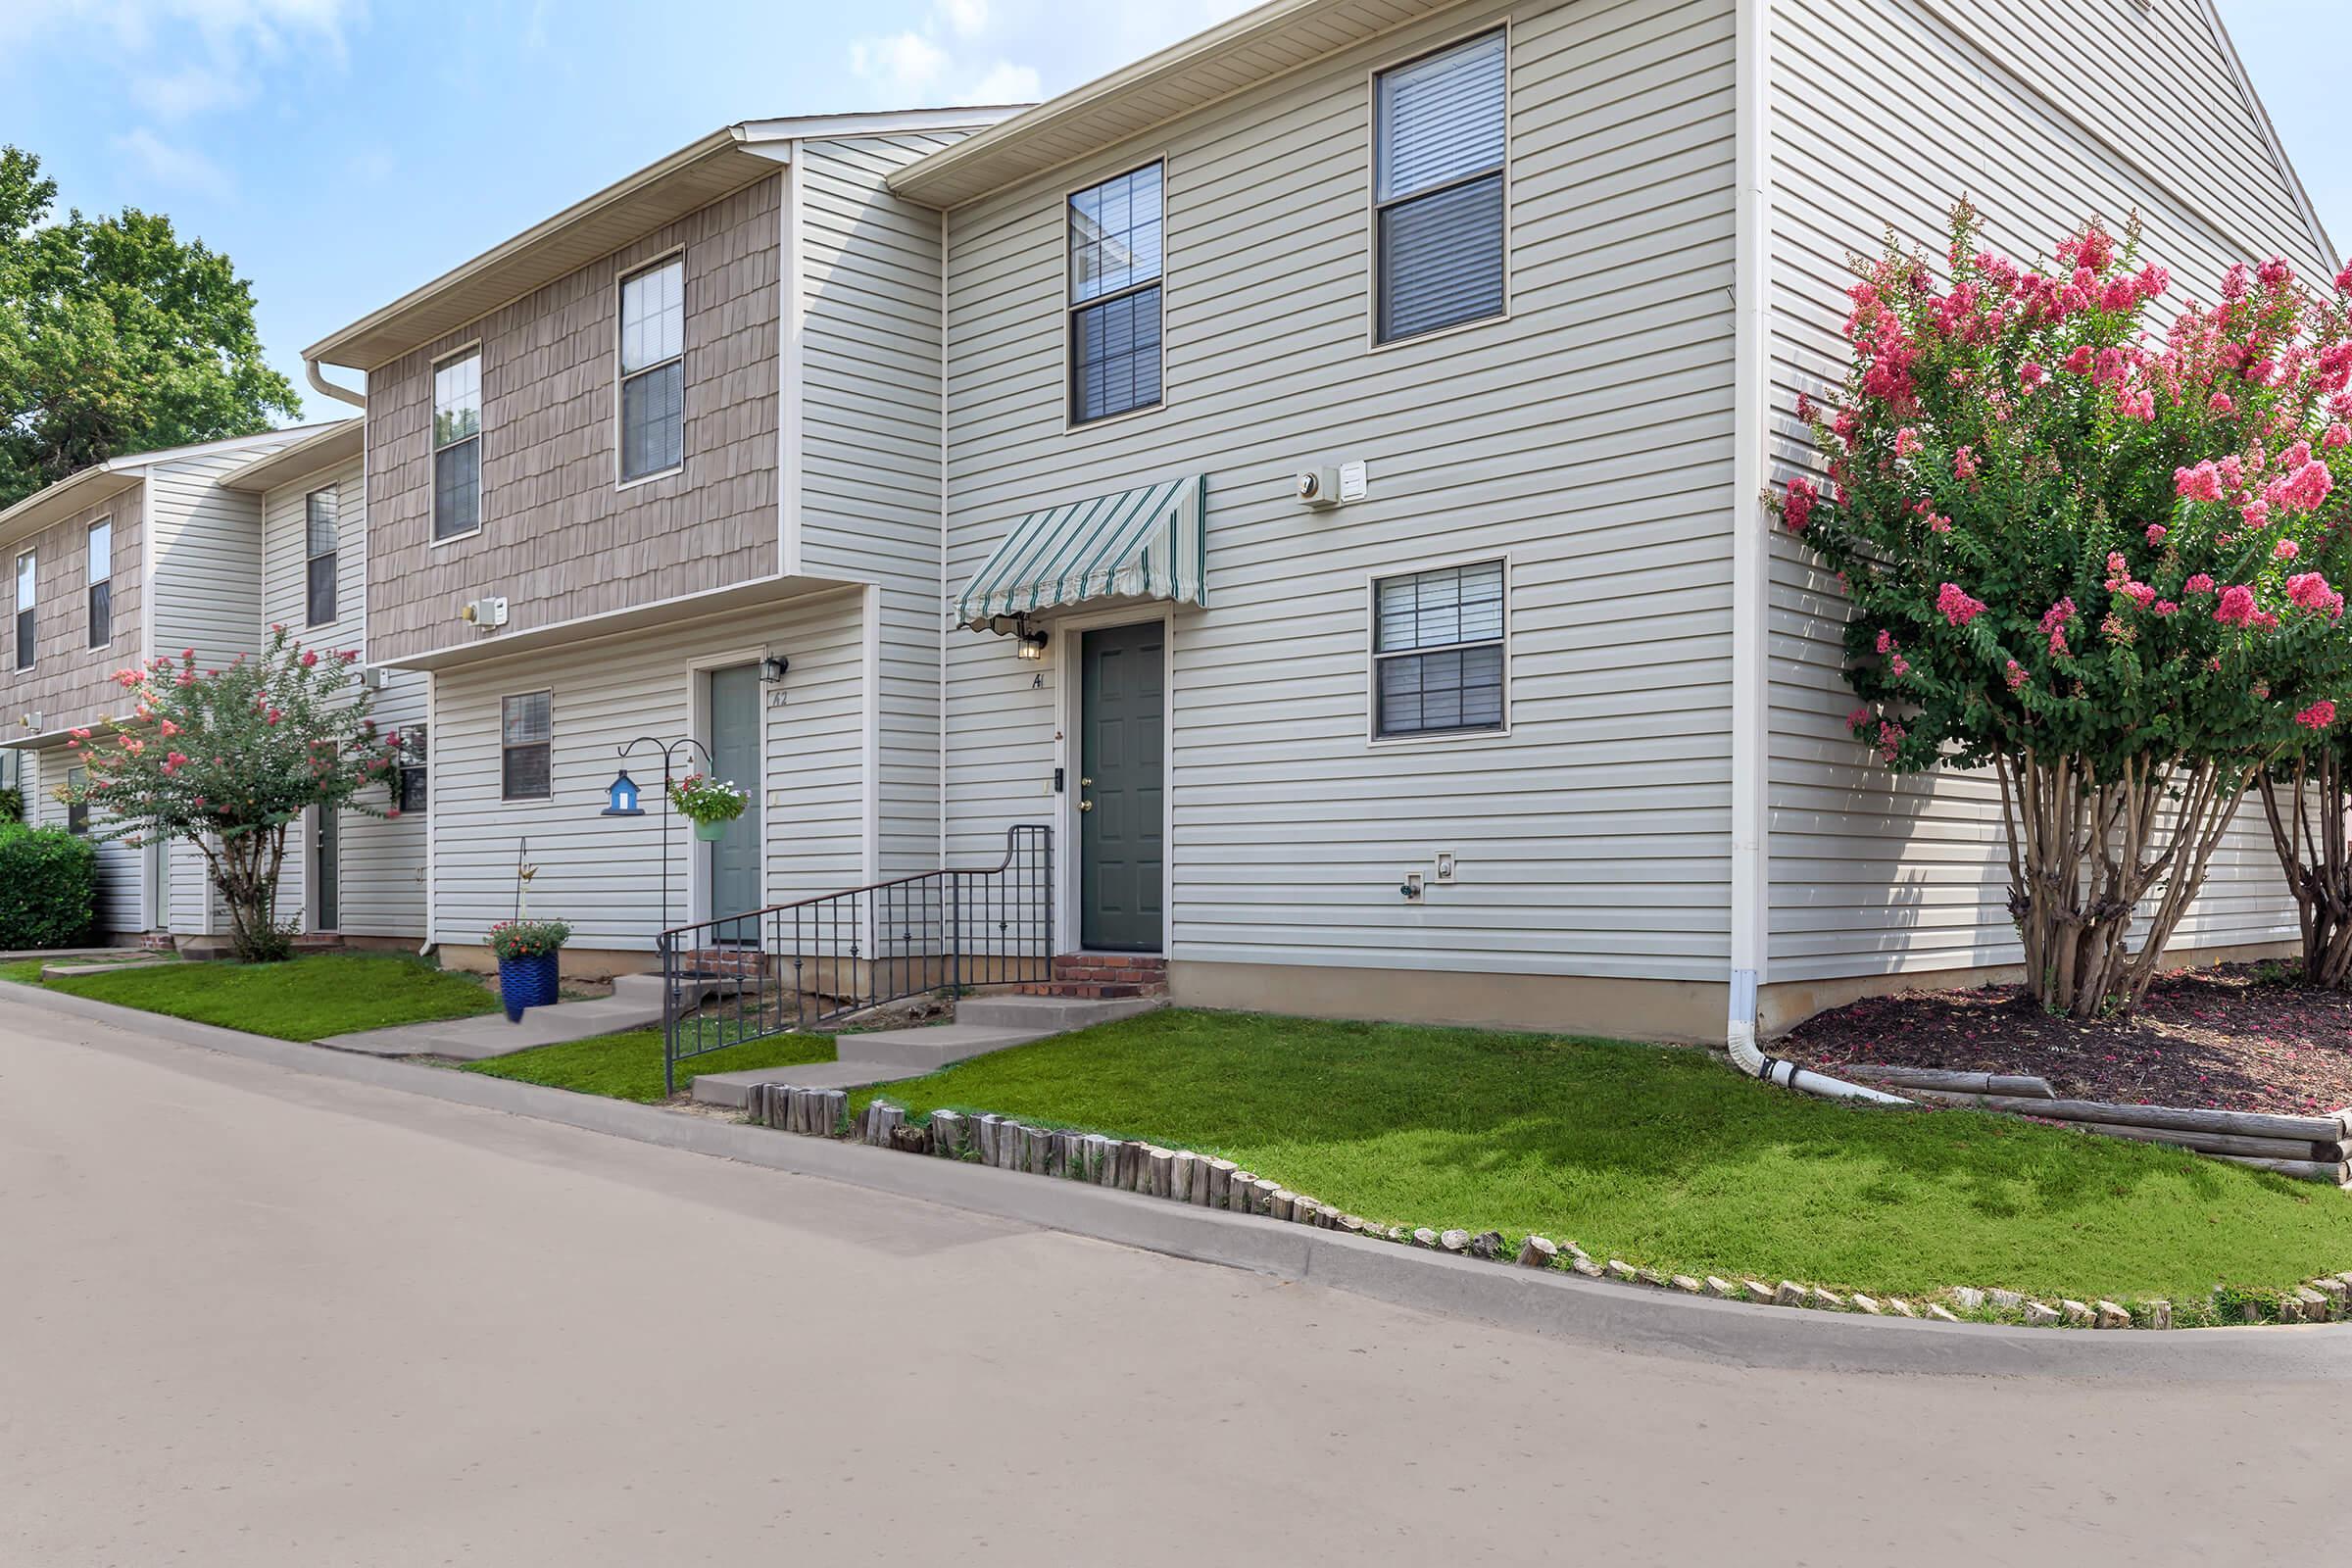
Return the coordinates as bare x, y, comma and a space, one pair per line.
635, 1003
281, 1319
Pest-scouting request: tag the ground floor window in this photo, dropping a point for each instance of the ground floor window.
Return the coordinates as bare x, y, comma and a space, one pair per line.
409, 789
526, 753
77, 809
1438, 651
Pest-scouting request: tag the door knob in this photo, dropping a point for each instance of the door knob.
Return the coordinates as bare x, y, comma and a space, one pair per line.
1086, 783
1086, 806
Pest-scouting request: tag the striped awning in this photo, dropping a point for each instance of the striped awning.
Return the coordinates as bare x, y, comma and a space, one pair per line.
1146, 543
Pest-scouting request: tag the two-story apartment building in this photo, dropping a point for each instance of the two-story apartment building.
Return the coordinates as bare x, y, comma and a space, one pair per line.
1353, 419
659, 479
144, 554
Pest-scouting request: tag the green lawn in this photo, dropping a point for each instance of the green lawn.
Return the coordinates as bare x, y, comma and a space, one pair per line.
1663, 1157
628, 1066
303, 998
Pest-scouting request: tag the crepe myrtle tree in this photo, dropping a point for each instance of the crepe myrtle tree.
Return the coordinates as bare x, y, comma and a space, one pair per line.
228, 759
2101, 560
2307, 803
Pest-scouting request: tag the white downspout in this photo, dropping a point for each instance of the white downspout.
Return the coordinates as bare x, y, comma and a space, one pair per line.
1751, 574
326, 388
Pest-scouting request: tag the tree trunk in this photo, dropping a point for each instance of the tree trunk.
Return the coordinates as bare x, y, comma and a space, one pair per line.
245, 869
2306, 810
2087, 853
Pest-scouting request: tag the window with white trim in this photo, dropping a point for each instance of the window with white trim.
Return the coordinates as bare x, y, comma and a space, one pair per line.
1115, 255
652, 369
1437, 187
102, 582
77, 809
319, 548
25, 631
1438, 651
408, 792
526, 737
458, 445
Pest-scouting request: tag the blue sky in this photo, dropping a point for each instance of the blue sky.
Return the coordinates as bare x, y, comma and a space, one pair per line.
344, 151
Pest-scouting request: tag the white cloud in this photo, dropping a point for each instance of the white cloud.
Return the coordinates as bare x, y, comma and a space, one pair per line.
967, 19
906, 65
189, 56
172, 164
1007, 84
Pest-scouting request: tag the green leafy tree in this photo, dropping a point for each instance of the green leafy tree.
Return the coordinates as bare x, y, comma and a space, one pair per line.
2105, 563
228, 759
116, 336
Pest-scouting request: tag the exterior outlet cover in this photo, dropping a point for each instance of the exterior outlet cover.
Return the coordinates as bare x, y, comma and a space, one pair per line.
1354, 485
1444, 876
1411, 888
1319, 487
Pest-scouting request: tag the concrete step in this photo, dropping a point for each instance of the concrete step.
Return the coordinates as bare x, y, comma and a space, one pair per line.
932, 1046
1046, 1015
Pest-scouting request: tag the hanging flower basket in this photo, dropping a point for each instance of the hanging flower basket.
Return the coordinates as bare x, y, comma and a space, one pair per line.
709, 804
529, 974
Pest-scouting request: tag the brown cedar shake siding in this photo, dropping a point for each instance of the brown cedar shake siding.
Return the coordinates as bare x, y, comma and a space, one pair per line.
560, 540
71, 683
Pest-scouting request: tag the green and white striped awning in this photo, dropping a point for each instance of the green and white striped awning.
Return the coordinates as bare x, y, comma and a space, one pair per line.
1144, 543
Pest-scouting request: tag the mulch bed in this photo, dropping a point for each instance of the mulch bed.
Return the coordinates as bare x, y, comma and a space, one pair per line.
2224, 1039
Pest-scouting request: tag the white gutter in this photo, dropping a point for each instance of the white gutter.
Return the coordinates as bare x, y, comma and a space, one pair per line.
326, 388
1751, 578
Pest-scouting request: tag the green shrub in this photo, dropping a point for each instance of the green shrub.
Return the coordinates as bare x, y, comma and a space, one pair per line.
12, 805
48, 887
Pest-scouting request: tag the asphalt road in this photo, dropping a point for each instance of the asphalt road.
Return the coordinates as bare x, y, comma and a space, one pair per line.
253, 1317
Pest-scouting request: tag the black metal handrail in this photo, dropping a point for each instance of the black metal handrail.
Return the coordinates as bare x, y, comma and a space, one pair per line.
745, 977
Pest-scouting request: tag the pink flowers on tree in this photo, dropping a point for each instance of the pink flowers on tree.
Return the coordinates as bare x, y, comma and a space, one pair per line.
229, 760
2096, 552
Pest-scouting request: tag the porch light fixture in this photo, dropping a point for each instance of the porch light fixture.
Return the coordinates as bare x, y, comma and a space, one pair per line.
772, 667
1031, 640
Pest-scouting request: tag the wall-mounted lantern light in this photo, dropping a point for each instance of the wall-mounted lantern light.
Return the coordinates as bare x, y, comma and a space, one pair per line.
621, 797
1029, 640
1032, 645
772, 667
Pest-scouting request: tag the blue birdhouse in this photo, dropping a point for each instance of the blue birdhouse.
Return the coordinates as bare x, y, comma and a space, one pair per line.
622, 792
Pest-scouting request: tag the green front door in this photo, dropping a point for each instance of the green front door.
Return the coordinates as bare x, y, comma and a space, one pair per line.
1121, 788
735, 758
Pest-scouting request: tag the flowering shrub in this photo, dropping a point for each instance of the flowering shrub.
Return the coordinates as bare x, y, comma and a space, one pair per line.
527, 939
2306, 800
2105, 563
702, 799
228, 759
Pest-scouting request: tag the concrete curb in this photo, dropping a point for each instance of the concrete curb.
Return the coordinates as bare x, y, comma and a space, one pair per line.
1601, 1313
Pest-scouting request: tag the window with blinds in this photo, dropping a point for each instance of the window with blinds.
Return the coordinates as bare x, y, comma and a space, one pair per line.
25, 629
102, 582
458, 445
320, 551
1438, 651
1438, 188
653, 370
526, 737
1115, 256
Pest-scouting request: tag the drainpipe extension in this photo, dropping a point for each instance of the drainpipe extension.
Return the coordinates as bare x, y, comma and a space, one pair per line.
325, 389
1752, 698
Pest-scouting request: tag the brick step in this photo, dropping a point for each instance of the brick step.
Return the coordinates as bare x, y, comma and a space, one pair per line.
1144, 962
1087, 989
726, 960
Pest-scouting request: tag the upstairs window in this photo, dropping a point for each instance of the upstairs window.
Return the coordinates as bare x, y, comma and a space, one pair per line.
1115, 255
526, 735
102, 582
1437, 196
24, 626
319, 552
1437, 651
653, 370
458, 445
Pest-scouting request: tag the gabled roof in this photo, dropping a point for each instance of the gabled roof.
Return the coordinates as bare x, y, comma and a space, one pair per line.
95, 484
662, 192
335, 443
2270, 131
1255, 46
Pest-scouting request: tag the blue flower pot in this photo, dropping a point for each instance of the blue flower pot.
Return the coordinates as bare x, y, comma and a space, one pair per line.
527, 983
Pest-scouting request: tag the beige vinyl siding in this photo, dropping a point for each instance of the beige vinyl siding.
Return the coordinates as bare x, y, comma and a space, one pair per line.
205, 568
869, 432
70, 683
381, 886
603, 875
1870, 874
1587, 438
